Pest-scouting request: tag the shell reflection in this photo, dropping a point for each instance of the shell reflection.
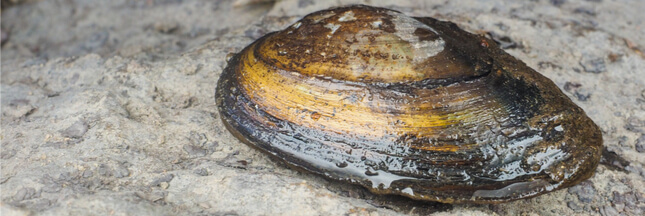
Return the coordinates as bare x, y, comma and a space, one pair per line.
406, 105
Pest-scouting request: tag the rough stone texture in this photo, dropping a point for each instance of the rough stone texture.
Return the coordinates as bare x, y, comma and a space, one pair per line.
108, 106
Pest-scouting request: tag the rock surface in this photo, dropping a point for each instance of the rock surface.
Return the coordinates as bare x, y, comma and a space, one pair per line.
108, 106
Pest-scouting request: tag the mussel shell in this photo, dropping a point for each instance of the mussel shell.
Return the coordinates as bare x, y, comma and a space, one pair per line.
406, 105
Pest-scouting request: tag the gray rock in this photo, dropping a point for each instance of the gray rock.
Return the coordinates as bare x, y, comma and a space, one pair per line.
305, 3
195, 150
625, 202
226, 213
584, 191
575, 206
166, 27
232, 161
634, 124
201, 171
557, 3
622, 141
586, 11
95, 41
640, 144
105, 170
618, 201
211, 146
640, 197
7, 153
630, 199
164, 178
50, 185
634, 210
4, 36
38, 204
255, 32
77, 130
121, 171
593, 64
87, 173
4, 179
152, 196
582, 95
25, 194
608, 211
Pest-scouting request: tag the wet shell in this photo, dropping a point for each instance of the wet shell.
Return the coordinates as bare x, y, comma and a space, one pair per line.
406, 105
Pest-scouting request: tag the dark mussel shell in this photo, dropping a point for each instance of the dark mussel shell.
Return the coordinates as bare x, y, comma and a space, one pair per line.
406, 105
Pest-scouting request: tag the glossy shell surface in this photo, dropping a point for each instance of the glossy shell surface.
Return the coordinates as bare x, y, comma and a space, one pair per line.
406, 105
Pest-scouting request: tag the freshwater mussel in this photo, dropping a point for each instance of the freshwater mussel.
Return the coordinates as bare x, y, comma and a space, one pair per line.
405, 105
